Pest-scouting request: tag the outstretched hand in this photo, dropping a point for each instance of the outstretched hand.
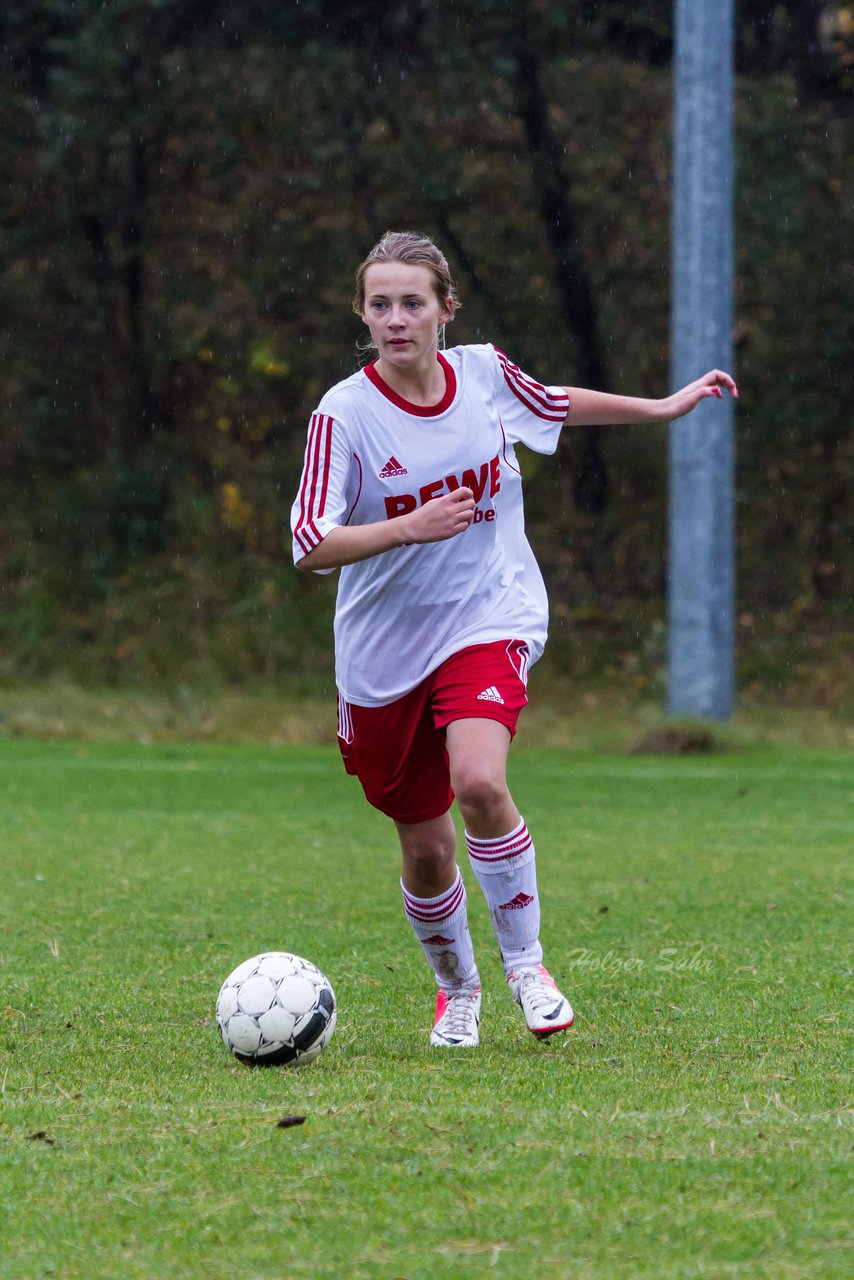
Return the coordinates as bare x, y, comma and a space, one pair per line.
713, 383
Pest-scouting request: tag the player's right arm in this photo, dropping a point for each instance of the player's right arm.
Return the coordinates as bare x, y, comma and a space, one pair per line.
438, 520
329, 491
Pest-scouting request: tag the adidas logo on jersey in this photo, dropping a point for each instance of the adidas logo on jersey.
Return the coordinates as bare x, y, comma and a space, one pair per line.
490, 695
516, 904
392, 468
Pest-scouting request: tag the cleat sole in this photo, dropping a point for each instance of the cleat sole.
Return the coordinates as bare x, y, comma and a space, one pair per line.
544, 1032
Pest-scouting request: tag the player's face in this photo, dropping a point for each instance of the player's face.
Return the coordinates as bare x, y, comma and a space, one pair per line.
403, 313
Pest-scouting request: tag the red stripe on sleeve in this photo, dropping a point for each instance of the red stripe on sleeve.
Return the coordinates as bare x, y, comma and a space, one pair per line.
315, 475
317, 463
533, 395
327, 447
306, 476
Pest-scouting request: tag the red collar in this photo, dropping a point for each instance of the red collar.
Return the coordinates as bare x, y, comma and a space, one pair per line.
420, 410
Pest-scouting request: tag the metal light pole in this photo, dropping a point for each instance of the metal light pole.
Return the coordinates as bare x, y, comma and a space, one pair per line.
701, 571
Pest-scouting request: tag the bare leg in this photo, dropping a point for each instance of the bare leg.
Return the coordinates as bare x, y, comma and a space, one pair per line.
478, 754
429, 855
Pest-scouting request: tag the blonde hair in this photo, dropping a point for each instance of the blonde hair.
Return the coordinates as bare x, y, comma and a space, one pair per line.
415, 251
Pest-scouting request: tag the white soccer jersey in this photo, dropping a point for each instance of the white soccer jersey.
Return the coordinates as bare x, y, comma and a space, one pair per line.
372, 456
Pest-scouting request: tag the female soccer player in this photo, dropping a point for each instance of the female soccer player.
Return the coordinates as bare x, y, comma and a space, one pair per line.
412, 488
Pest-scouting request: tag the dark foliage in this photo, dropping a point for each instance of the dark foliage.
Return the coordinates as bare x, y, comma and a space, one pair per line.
188, 188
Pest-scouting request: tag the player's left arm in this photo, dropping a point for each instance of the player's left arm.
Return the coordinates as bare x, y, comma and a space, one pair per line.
600, 408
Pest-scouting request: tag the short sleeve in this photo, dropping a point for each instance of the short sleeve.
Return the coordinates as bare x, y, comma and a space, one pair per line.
323, 499
531, 413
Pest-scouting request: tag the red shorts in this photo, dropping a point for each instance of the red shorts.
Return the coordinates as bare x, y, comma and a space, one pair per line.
398, 751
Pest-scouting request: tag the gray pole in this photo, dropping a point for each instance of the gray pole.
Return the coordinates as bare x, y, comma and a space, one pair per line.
701, 570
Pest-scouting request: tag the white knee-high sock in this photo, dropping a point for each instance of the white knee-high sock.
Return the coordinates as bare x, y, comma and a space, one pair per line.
506, 872
441, 926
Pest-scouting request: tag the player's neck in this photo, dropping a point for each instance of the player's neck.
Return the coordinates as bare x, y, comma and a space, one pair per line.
423, 384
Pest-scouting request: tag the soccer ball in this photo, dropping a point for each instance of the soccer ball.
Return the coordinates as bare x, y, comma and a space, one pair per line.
276, 1009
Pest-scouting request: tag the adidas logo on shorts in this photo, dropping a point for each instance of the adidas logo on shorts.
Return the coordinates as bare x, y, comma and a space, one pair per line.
490, 695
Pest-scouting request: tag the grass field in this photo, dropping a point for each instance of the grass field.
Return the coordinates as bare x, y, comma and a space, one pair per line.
695, 1122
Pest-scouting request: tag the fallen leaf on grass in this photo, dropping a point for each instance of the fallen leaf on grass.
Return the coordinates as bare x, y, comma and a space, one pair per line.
289, 1122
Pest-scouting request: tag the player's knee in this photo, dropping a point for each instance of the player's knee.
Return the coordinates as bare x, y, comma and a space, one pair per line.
480, 792
428, 863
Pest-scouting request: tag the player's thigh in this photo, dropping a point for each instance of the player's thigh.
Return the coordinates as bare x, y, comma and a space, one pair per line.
477, 752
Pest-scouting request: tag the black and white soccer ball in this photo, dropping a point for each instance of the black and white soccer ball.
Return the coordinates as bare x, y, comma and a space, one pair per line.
276, 1009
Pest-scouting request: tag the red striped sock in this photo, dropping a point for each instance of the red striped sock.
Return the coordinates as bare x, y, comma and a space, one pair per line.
441, 926
506, 872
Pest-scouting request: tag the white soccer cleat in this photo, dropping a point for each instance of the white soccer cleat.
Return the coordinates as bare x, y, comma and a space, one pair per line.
457, 1018
546, 1009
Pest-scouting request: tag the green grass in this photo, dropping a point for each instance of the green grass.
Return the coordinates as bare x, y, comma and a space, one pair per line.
694, 1123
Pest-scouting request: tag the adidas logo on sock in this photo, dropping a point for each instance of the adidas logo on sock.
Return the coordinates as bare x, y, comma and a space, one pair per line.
392, 468
490, 695
516, 904
437, 941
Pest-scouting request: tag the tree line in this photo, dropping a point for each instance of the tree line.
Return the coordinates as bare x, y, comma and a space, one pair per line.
188, 187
